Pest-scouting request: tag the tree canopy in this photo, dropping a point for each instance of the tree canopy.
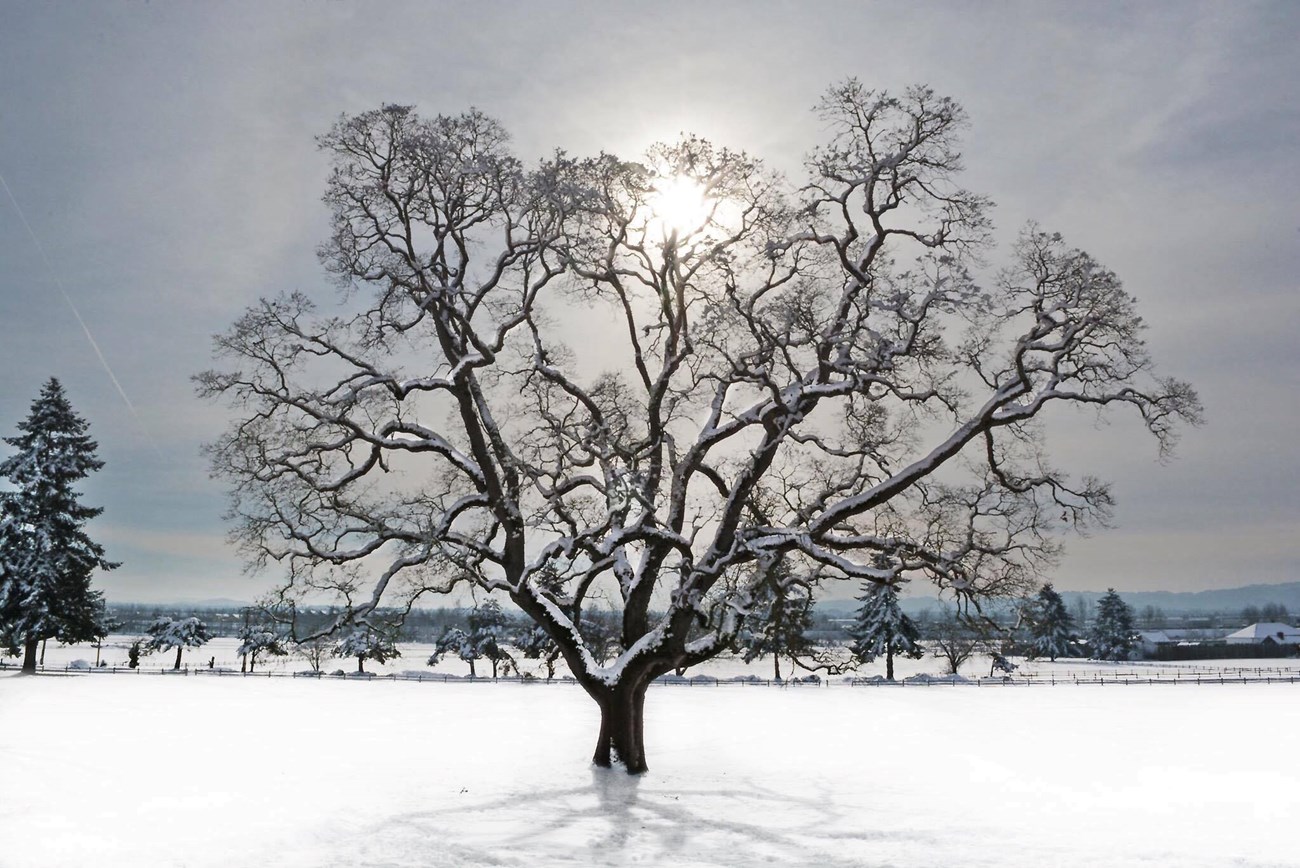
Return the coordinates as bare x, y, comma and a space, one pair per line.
553, 384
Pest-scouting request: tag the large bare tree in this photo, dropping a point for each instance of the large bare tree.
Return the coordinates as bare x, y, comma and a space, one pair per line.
801, 384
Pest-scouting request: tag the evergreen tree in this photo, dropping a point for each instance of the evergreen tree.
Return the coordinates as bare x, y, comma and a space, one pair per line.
880, 627
1050, 624
1112, 636
133, 654
780, 618
46, 557
166, 633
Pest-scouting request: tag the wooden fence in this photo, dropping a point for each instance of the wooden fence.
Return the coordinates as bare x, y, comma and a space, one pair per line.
1233, 675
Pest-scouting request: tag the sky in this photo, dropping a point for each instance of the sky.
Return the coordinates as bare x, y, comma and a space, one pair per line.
160, 174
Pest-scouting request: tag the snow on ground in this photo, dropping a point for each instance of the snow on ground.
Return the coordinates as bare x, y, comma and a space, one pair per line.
127, 771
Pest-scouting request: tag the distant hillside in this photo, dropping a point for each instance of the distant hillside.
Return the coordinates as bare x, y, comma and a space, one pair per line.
1227, 600
1201, 602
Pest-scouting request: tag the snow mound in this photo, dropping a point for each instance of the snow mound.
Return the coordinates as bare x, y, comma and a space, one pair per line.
924, 678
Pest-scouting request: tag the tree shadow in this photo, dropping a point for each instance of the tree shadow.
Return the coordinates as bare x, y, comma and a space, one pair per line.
620, 819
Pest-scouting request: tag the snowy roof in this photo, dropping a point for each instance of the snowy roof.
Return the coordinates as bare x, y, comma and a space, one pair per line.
1266, 630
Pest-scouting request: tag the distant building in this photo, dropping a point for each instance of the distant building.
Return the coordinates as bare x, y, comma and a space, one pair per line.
1267, 633
1155, 639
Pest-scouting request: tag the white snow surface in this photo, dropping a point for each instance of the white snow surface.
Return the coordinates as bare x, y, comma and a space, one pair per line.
129, 770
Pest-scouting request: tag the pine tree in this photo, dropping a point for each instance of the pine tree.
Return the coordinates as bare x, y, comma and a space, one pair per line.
46, 557
1112, 636
780, 618
881, 627
165, 634
1050, 625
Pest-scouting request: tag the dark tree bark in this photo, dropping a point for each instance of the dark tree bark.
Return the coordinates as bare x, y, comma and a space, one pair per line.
622, 728
179, 650
889, 663
29, 656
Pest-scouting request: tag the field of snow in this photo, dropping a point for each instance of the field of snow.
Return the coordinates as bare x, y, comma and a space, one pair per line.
290, 773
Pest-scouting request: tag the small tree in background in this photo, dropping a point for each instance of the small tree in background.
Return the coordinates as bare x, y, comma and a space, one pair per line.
955, 639
456, 641
1275, 612
258, 639
1112, 636
133, 654
314, 650
486, 639
778, 622
1050, 624
46, 557
536, 644
165, 634
366, 643
881, 627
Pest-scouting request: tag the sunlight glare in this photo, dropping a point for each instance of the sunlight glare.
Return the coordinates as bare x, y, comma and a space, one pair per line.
679, 204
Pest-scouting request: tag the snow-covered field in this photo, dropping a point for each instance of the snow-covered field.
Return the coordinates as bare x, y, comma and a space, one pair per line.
127, 771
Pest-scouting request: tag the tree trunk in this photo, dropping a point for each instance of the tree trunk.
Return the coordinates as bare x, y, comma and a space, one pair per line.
471, 670
889, 663
43, 641
361, 664
29, 656
179, 649
776, 665
622, 728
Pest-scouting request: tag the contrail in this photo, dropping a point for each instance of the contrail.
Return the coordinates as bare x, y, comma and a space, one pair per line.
84, 328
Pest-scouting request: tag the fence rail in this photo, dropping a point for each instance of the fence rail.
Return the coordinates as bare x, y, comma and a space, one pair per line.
1236, 675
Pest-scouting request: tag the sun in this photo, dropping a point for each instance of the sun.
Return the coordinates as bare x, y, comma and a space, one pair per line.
679, 206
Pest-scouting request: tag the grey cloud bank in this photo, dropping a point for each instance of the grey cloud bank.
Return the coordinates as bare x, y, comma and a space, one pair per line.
163, 154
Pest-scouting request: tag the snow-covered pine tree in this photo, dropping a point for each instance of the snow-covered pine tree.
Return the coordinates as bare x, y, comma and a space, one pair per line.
777, 625
367, 643
46, 557
1050, 624
881, 627
1112, 636
166, 633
